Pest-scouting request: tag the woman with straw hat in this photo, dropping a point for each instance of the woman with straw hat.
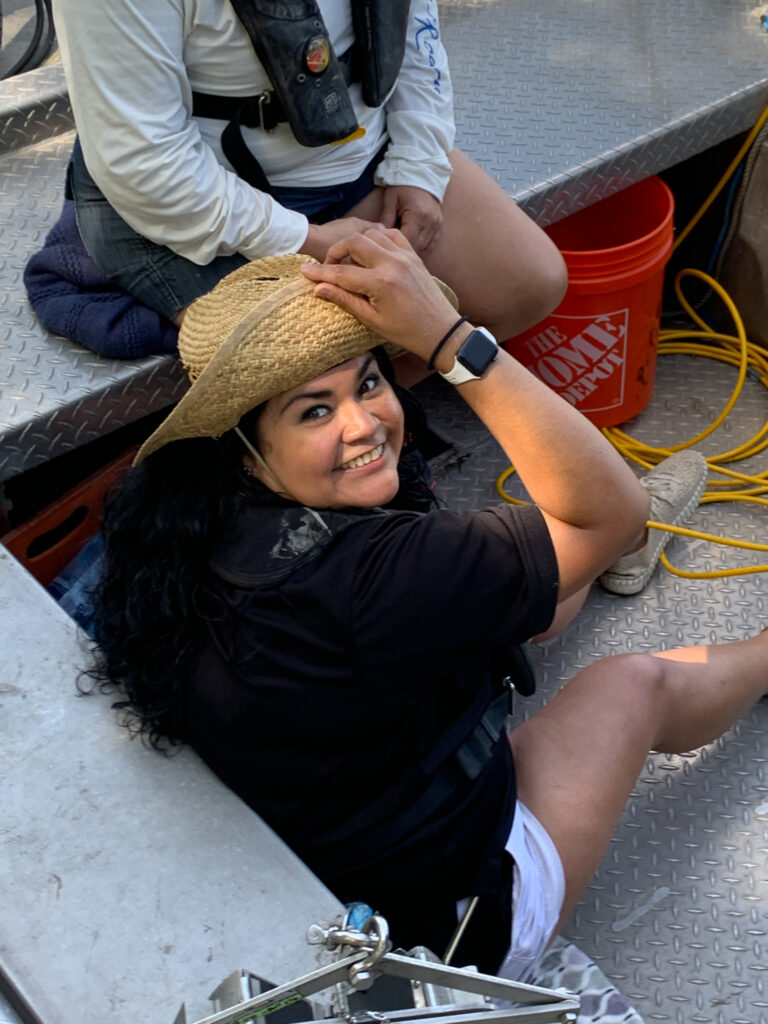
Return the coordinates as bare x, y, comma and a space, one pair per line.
282, 593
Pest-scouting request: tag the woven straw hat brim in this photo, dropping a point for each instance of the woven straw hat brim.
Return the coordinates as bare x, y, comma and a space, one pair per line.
259, 332
286, 340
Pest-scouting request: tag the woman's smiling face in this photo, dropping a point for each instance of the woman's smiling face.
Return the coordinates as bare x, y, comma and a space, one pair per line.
335, 441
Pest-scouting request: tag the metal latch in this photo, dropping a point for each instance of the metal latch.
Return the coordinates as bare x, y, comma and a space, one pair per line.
466, 997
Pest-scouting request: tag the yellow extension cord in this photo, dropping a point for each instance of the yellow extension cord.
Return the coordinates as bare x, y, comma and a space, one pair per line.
734, 349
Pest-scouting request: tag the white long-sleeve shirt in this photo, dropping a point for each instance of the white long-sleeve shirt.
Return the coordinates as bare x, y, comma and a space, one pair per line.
131, 68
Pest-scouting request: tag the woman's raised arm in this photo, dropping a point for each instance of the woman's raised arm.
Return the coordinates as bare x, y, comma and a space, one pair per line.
593, 503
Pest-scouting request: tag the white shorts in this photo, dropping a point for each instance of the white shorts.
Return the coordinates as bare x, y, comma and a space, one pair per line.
538, 891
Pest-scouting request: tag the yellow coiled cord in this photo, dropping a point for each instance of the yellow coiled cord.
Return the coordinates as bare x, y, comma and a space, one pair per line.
734, 349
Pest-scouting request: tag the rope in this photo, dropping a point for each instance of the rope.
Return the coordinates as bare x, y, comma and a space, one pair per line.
736, 350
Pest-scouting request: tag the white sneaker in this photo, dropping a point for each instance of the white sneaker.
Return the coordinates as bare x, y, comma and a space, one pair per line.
675, 487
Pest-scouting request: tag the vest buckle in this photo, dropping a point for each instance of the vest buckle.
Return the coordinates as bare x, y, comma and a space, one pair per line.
269, 115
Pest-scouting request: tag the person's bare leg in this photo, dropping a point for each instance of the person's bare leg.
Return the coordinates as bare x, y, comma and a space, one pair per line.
579, 757
507, 273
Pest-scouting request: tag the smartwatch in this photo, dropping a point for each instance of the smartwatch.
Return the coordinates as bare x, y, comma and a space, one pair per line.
473, 358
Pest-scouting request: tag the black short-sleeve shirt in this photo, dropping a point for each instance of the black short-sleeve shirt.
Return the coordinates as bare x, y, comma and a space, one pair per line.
319, 692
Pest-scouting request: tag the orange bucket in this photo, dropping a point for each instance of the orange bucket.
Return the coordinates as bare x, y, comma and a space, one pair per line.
598, 348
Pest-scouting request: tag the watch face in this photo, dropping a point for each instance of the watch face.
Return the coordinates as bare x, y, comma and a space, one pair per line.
478, 352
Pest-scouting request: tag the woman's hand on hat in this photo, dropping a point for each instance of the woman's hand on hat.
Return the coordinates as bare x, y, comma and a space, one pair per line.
378, 278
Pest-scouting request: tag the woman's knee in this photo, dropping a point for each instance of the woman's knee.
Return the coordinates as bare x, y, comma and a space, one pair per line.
641, 673
621, 697
547, 281
511, 265
637, 688
615, 704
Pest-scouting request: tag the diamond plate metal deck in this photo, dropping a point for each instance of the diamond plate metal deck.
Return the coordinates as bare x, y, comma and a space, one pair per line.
56, 395
677, 916
562, 103
33, 107
565, 104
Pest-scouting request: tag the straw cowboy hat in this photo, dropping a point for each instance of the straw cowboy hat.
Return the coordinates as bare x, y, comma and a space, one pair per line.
259, 332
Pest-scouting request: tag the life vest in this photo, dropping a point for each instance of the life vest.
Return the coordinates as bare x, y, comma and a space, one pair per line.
309, 81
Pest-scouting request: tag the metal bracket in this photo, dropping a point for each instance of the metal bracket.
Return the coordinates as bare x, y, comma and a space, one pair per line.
370, 957
373, 937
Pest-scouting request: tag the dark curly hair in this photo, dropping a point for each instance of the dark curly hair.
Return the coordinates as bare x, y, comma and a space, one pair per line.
155, 591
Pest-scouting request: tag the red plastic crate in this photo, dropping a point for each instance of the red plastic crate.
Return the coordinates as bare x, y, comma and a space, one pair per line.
50, 540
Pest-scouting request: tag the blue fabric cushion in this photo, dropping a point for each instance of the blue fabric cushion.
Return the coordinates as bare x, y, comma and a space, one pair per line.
73, 298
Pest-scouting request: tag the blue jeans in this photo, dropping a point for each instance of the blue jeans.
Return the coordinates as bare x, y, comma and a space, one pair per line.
158, 276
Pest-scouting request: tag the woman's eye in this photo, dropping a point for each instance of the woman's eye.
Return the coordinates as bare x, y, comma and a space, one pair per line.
315, 412
370, 383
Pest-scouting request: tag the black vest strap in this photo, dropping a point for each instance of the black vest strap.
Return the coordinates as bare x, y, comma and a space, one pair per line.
380, 31
375, 830
465, 750
240, 157
263, 110
315, 103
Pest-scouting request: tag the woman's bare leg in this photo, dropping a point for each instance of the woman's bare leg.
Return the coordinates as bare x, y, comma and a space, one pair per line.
507, 273
579, 757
